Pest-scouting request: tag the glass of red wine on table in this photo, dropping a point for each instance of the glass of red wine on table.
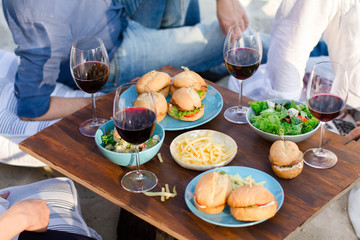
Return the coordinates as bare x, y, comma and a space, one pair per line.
242, 55
89, 65
135, 125
326, 95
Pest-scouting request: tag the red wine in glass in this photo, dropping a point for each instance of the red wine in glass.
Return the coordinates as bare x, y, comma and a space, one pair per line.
326, 94
325, 107
89, 66
242, 63
136, 124
91, 76
242, 56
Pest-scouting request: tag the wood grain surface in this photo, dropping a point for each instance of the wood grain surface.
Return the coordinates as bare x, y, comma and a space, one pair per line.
63, 148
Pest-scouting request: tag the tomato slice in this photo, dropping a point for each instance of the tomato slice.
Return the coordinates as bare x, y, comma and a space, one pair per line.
191, 115
303, 119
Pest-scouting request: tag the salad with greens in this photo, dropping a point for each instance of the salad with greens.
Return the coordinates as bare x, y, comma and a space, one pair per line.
113, 142
287, 118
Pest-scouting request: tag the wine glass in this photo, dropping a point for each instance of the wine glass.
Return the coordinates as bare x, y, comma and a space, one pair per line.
242, 55
135, 125
89, 65
326, 95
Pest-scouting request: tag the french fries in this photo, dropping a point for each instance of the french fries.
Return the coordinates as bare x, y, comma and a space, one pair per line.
164, 194
202, 150
160, 158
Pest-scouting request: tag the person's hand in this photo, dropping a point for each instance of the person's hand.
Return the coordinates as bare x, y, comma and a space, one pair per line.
26, 215
354, 133
34, 213
230, 12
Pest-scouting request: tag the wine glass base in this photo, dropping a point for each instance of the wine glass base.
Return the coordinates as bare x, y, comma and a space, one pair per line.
324, 160
236, 115
132, 182
88, 128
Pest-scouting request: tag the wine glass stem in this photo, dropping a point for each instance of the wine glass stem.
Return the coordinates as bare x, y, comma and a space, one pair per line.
322, 130
137, 160
240, 93
94, 121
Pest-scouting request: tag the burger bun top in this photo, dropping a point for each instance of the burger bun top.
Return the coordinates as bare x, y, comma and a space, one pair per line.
284, 153
155, 80
144, 100
250, 195
186, 98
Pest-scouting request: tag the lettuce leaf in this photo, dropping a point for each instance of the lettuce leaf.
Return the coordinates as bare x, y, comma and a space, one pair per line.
180, 114
273, 120
258, 106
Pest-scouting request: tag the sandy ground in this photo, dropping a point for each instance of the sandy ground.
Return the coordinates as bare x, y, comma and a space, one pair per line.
331, 223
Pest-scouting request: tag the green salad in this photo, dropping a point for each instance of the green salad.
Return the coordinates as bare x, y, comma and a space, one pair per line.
114, 142
289, 118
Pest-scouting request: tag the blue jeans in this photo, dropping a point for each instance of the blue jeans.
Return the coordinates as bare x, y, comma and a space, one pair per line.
161, 33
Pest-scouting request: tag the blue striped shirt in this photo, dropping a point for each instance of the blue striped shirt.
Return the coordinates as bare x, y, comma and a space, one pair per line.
44, 31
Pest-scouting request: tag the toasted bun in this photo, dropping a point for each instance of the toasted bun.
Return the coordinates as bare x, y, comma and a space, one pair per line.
189, 79
283, 153
172, 89
211, 192
186, 98
156, 82
160, 102
165, 91
288, 173
252, 203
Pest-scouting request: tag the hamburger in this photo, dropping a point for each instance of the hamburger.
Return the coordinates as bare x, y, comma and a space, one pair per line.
189, 79
143, 100
252, 203
157, 82
185, 105
211, 192
286, 159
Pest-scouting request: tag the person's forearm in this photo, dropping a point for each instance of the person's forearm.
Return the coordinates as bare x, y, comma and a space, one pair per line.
61, 107
11, 225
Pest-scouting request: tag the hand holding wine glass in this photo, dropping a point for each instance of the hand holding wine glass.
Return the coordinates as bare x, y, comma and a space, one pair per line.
89, 65
242, 55
326, 94
135, 125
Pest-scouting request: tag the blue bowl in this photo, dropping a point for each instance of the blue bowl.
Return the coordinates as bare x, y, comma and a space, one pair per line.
128, 159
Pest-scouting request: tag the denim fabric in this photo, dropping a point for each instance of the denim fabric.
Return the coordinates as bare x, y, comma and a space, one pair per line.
168, 34
44, 31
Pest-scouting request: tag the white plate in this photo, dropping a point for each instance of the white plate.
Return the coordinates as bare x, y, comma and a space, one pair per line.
217, 136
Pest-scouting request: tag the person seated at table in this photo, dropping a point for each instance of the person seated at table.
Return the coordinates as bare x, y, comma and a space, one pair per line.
297, 28
47, 209
139, 36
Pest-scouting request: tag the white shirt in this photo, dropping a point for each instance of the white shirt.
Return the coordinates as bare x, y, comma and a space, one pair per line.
297, 28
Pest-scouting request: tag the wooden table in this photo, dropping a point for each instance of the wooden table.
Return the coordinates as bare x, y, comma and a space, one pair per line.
63, 148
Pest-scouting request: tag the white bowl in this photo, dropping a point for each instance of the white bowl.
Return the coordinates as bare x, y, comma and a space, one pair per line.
273, 137
217, 137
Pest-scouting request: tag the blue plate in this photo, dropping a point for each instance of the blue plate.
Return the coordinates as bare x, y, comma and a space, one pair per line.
225, 218
213, 104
